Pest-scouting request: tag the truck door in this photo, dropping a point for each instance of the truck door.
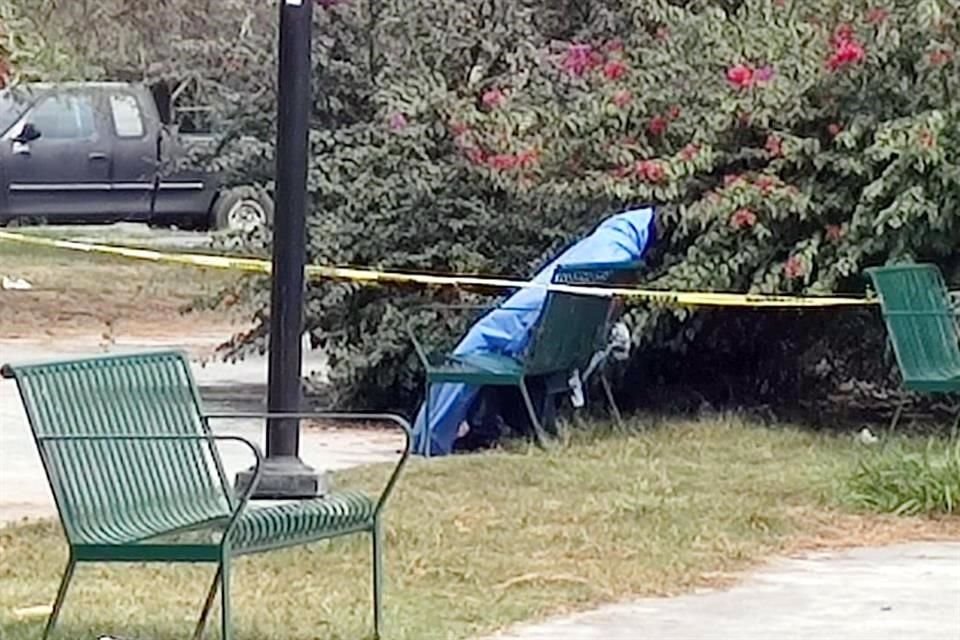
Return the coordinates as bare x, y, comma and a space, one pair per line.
64, 170
134, 154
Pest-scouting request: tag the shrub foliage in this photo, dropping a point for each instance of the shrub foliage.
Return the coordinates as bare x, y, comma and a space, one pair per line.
788, 144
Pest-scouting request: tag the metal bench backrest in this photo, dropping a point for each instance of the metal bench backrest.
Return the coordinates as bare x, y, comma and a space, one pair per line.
921, 324
122, 490
572, 327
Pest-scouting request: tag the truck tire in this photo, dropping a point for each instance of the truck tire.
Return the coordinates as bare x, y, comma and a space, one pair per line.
242, 209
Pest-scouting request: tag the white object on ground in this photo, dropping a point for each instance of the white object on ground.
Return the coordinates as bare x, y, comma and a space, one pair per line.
38, 611
576, 389
866, 437
15, 284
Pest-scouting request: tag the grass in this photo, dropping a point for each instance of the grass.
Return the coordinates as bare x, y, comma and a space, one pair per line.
85, 292
899, 479
477, 543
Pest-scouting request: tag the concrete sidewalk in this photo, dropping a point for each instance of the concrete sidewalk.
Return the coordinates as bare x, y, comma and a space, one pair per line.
902, 592
225, 387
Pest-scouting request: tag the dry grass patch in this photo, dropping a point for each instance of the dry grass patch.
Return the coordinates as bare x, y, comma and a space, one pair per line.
477, 543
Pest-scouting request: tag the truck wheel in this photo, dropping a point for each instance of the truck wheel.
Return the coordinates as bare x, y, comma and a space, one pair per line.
242, 209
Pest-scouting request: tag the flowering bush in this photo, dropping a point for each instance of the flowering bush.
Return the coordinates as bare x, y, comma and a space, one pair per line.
789, 143
794, 148
792, 143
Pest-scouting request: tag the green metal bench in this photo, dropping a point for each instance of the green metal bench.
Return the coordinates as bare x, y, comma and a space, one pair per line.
137, 476
922, 328
570, 329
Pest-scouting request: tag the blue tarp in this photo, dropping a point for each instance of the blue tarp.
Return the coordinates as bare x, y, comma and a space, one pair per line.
621, 238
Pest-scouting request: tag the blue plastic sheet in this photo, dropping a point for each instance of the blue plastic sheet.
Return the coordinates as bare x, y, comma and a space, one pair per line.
506, 330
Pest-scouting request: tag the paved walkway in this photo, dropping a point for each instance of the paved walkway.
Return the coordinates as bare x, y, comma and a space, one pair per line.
225, 387
901, 592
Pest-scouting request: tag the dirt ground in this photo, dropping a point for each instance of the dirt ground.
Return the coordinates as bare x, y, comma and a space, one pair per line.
75, 294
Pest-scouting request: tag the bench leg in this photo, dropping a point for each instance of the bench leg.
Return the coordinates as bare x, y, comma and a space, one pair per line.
61, 596
377, 578
207, 605
226, 632
537, 427
896, 417
427, 430
608, 390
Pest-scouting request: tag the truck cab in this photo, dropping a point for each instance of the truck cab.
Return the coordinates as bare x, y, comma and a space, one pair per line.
100, 152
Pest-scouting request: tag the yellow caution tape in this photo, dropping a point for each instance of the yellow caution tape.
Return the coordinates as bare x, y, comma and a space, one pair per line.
372, 276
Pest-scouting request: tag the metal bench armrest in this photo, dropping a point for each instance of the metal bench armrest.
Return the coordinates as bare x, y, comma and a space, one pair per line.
418, 344
244, 498
398, 421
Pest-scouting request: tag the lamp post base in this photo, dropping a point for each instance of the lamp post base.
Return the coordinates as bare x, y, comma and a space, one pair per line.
284, 478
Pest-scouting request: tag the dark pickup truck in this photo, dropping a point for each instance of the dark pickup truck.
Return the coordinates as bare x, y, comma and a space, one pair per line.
100, 152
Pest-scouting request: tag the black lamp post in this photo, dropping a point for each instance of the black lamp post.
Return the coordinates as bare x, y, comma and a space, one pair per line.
284, 473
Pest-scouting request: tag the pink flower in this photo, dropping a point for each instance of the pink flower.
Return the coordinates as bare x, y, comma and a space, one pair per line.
730, 180
766, 184
940, 57
740, 76
765, 73
690, 152
650, 171
657, 126
846, 49
398, 121
774, 146
502, 161
793, 268
476, 156
927, 139
674, 112
743, 218
580, 58
834, 232
493, 98
846, 54
614, 70
834, 129
877, 15
843, 33
614, 46
622, 98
